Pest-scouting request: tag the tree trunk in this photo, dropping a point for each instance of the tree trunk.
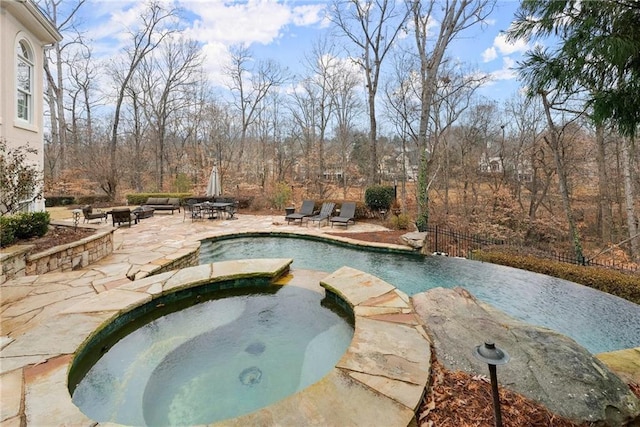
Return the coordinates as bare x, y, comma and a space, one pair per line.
632, 222
604, 202
554, 144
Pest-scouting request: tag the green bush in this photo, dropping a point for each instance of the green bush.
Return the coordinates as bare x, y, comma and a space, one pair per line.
614, 282
7, 230
182, 183
23, 226
399, 222
281, 196
379, 197
33, 224
93, 200
51, 201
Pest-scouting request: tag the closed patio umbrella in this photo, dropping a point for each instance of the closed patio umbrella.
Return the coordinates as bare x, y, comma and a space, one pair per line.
213, 187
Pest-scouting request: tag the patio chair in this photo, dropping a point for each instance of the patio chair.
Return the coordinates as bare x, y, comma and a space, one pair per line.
122, 215
232, 210
325, 213
305, 211
196, 210
90, 215
188, 209
347, 215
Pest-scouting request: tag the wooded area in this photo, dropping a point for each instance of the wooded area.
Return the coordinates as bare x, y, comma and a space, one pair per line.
556, 165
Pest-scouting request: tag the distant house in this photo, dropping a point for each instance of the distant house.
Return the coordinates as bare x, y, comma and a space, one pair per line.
497, 165
24, 34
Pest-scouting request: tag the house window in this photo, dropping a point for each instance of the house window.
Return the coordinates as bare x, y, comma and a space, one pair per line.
24, 81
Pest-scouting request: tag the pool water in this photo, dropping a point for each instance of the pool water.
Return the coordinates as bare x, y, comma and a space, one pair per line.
598, 321
215, 360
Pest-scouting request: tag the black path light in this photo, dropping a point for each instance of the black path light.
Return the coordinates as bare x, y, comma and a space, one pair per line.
493, 356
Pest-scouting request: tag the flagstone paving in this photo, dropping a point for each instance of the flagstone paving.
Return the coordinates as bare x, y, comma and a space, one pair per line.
44, 319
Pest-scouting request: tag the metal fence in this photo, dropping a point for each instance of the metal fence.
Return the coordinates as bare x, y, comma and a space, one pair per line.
444, 241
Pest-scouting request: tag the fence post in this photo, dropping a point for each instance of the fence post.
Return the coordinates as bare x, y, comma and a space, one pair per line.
436, 249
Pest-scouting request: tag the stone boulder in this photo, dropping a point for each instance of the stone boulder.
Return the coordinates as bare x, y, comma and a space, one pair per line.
545, 366
414, 239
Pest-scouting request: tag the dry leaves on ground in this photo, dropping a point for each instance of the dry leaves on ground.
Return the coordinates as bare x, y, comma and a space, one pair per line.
56, 236
458, 399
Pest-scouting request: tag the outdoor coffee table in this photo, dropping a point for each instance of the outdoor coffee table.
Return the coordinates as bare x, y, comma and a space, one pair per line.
143, 212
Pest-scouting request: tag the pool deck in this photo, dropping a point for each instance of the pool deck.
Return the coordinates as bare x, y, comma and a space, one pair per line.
44, 319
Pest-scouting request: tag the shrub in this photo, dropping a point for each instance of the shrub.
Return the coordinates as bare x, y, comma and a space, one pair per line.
51, 201
399, 222
379, 197
20, 180
31, 224
23, 226
281, 195
93, 200
623, 285
7, 230
182, 183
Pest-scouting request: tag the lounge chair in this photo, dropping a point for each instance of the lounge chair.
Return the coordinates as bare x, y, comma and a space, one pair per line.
90, 214
325, 213
305, 211
347, 215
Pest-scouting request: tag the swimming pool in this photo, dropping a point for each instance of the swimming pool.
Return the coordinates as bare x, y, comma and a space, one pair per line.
216, 359
598, 321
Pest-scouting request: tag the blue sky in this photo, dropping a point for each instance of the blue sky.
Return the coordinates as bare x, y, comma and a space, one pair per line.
284, 30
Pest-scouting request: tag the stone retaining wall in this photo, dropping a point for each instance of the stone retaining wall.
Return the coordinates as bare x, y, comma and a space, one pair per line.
17, 263
14, 262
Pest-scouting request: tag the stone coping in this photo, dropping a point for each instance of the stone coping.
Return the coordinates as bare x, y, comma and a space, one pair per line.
381, 377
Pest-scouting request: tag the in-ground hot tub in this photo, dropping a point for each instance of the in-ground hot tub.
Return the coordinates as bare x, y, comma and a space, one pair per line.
196, 356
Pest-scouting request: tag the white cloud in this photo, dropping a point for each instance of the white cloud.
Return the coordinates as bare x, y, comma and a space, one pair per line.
220, 24
507, 48
489, 54
507, 72
309, 15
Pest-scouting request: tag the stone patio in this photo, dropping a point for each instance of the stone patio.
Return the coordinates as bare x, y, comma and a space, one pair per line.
46, 318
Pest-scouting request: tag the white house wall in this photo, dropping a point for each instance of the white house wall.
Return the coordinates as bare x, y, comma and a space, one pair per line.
22, 20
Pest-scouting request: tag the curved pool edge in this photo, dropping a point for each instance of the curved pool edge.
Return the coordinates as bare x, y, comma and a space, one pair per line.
187, 255
382, 376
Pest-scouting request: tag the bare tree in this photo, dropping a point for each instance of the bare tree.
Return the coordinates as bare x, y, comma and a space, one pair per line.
250, 85
55, 77
454, 17
372, 26
83, 75
169, 77
144, 41
347, 106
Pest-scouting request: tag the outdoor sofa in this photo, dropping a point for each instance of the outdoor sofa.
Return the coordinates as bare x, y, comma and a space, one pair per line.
163, 204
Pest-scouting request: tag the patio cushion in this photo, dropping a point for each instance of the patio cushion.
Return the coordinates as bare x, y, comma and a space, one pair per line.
157, 200
174, 201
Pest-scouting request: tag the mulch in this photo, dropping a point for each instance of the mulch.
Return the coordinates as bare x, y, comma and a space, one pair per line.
458, 399
55, 236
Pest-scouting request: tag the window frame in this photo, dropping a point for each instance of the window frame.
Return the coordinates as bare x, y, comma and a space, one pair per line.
25, 57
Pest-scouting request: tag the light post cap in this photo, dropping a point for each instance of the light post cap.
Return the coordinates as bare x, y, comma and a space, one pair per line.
490, 354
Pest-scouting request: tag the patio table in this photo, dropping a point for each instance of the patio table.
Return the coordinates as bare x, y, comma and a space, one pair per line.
214, 208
